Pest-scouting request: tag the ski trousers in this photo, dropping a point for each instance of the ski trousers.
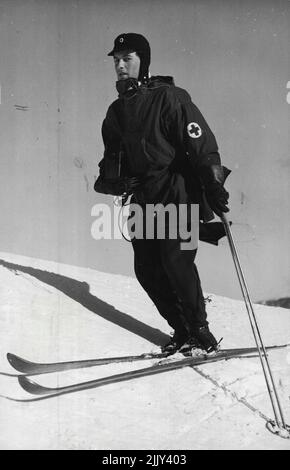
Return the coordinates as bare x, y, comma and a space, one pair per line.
169, 276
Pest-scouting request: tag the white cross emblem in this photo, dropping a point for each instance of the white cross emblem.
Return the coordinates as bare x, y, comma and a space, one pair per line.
193, 129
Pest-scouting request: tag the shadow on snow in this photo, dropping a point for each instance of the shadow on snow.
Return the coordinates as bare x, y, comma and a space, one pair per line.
80, 292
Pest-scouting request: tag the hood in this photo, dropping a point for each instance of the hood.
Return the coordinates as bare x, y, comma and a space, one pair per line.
158, 80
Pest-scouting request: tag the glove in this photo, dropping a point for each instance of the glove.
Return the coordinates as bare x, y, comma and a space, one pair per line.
217, 198
125, 185
213, 178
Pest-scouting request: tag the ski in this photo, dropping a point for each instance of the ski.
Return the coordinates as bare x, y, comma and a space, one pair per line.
47, 392
33, 368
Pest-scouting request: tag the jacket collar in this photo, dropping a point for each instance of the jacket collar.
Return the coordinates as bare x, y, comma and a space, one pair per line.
128, 87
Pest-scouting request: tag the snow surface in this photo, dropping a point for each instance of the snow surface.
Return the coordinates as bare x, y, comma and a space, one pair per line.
55, 312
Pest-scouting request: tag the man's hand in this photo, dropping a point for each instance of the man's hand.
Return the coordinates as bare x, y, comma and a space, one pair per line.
213, 178
126, 185
217, 198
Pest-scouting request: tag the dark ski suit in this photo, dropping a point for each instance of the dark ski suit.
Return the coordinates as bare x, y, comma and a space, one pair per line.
166, 142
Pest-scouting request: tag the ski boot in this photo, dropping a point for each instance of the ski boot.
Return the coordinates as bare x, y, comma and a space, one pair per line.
206, 339
192, 347
178, 340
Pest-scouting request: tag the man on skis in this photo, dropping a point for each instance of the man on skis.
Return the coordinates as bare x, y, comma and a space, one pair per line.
165, 153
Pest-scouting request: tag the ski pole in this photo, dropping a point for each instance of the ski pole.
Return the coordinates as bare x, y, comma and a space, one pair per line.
255, 328
256, 331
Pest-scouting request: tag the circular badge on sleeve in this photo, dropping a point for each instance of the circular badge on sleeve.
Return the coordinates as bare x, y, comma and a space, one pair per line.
194, 130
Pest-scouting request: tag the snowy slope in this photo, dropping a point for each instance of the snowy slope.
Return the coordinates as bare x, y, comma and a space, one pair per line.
53, 312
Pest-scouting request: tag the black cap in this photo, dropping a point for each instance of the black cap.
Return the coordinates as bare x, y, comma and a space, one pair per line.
130, 41
136, 43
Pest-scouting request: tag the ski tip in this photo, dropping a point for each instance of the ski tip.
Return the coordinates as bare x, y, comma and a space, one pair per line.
30, 386
10, 357
20, 364
23, 381
16, 362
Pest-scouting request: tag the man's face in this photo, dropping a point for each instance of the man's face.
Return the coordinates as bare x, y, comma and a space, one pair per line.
127, 64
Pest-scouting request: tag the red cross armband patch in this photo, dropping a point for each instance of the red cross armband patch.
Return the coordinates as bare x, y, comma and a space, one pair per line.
194, 130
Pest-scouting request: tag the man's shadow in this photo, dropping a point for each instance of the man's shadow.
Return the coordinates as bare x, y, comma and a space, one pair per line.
80, 292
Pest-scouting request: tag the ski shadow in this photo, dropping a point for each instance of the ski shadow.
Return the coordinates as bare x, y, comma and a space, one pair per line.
80, 292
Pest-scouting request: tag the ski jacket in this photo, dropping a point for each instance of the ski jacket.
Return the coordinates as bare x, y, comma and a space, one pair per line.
156, 133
